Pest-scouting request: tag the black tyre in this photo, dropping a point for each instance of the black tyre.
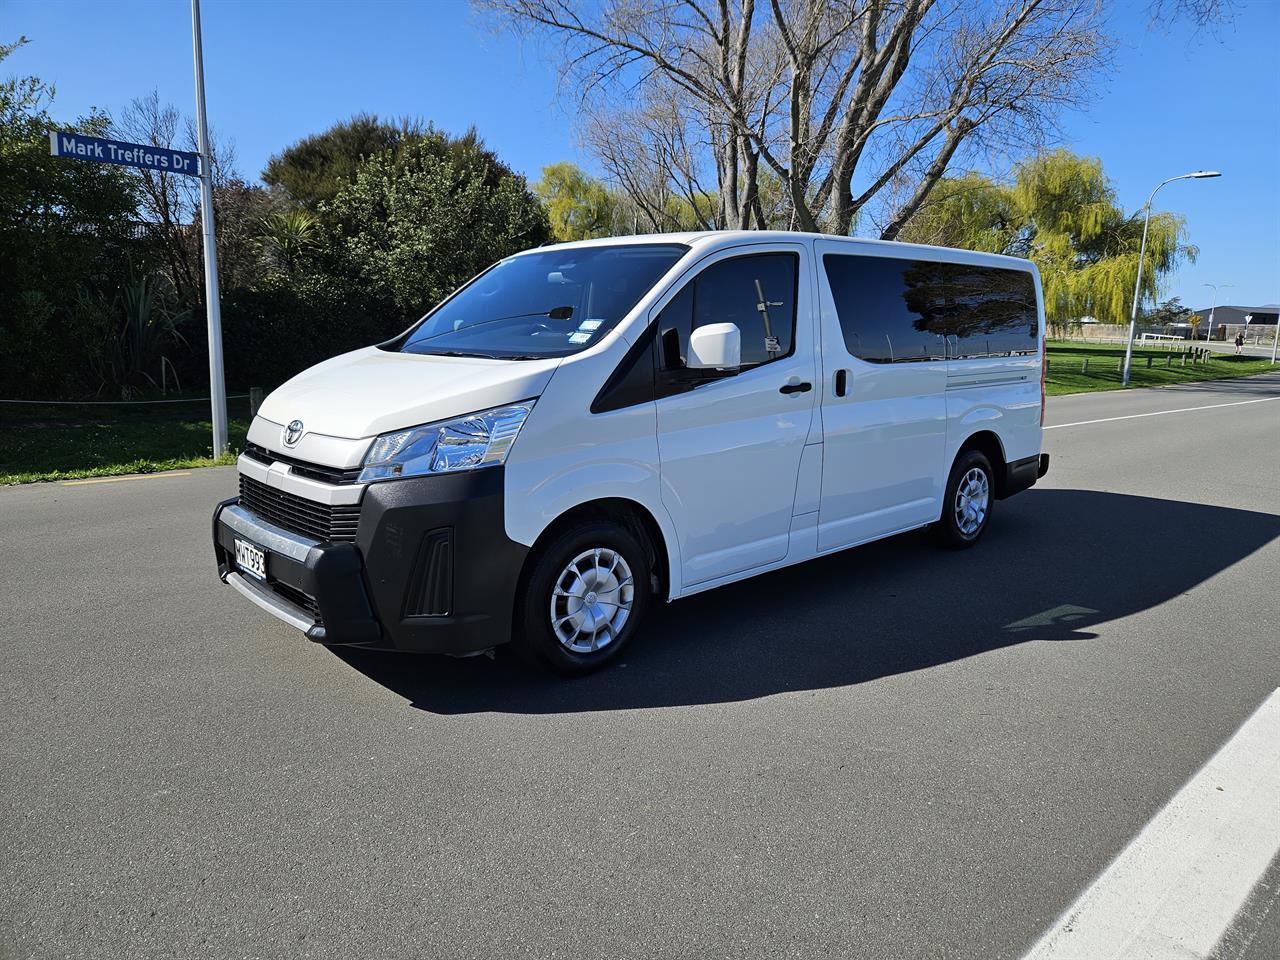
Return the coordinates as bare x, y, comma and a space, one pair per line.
584, 598
967, 502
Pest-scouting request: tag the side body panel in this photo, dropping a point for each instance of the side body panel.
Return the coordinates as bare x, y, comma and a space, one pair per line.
884, 440
1000, 394
730, 449
568, 456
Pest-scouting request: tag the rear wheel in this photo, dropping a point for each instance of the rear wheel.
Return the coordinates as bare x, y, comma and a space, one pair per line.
585, 597
967, 503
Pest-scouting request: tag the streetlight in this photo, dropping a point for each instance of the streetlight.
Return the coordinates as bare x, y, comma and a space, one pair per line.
1137, 287
217, 382
1215, 286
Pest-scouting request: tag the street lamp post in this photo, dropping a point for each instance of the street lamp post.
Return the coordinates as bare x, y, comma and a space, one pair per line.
1214, 306
1142, 251
217, 385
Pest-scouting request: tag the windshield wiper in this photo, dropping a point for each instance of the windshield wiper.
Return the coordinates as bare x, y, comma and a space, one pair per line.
555, 313
459, 353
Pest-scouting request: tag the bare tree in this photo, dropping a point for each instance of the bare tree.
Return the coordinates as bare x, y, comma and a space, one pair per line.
658, 153
171, 201
836, 99
1203, 13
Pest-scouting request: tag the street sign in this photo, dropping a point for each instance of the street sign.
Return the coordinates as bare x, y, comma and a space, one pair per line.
147, 157
102, 150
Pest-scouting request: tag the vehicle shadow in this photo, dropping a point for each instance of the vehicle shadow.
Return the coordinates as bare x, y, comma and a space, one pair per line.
1054, 564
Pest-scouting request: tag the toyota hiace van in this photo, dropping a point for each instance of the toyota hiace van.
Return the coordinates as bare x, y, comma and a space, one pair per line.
589, 428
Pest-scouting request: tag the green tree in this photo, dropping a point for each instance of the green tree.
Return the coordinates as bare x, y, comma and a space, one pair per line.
316, 168
1060, 211
412, 228
1170, 312
67, 228
579, 206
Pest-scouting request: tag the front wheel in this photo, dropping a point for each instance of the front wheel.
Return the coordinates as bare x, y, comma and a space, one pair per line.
585, 597
966, 505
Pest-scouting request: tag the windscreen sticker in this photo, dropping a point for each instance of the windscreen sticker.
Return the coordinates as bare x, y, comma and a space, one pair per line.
579, 337
590, 324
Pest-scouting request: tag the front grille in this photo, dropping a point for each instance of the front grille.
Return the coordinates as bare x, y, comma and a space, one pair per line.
298, 514
301, 468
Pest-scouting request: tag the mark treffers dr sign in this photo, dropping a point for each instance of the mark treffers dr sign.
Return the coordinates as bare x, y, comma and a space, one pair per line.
102, 150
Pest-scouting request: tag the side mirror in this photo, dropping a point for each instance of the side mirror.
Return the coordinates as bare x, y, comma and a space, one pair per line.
716, 346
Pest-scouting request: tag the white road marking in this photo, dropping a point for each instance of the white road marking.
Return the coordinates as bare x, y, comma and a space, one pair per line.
1161, 413
135, 476
1173, 892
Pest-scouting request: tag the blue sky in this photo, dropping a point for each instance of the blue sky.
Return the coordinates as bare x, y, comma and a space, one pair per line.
276, 71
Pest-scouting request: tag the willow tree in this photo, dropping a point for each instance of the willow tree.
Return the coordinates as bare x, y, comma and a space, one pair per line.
579, 206
1060, 211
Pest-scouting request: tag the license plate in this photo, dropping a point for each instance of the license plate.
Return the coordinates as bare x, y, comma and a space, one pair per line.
252, 560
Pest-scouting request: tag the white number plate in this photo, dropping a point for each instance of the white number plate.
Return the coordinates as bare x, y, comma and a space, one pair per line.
252, 560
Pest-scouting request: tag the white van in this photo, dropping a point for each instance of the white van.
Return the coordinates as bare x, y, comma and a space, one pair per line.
588, 428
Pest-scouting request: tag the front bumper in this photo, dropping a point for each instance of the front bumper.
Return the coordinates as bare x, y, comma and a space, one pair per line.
431, 570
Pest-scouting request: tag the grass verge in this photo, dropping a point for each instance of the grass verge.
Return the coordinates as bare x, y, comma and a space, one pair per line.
1066, 360
73, 443
32, 452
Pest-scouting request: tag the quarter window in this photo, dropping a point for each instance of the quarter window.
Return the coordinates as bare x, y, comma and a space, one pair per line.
894, 310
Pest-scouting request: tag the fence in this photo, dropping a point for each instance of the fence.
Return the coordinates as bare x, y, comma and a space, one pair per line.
68, 412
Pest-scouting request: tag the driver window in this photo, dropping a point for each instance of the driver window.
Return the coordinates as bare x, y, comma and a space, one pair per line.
756, 292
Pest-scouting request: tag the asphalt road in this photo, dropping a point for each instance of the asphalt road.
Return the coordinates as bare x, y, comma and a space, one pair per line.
894, 752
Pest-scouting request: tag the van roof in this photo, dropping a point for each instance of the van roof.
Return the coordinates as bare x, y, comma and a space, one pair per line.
708, 240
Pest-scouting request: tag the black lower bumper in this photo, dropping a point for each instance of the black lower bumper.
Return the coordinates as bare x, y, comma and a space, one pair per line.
1022, 474
431, 570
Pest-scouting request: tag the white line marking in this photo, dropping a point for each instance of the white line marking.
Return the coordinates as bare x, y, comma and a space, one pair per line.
1175, 889
1161, 413
134, 476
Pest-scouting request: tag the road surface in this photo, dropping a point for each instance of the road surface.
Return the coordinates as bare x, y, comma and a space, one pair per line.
894, 752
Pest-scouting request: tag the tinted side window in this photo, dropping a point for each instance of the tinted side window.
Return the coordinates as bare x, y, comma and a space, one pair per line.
986, 311
756, 292
894, 310
879, 320
733, 291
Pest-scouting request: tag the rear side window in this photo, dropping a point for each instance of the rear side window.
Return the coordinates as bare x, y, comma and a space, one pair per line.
756, 292
894, 310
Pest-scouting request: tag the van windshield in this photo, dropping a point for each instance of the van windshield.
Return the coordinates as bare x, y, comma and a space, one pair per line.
545, 304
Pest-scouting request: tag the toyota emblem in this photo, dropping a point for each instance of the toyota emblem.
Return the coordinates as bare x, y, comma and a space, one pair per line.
293, 433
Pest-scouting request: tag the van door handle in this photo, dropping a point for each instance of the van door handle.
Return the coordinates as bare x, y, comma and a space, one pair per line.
795, 388
842, 381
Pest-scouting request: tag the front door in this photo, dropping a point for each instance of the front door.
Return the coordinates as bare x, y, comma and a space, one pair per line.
884, 411
730, 445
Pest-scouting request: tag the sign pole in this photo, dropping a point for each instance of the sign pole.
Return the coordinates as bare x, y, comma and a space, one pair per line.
217, 385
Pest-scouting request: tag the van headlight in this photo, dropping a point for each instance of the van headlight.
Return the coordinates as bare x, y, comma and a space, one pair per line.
477, 440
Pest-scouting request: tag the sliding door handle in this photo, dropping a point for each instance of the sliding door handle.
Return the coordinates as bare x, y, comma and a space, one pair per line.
795, 388
842, 382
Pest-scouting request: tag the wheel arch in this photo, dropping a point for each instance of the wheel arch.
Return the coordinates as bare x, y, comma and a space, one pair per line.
989, 444
630, 513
